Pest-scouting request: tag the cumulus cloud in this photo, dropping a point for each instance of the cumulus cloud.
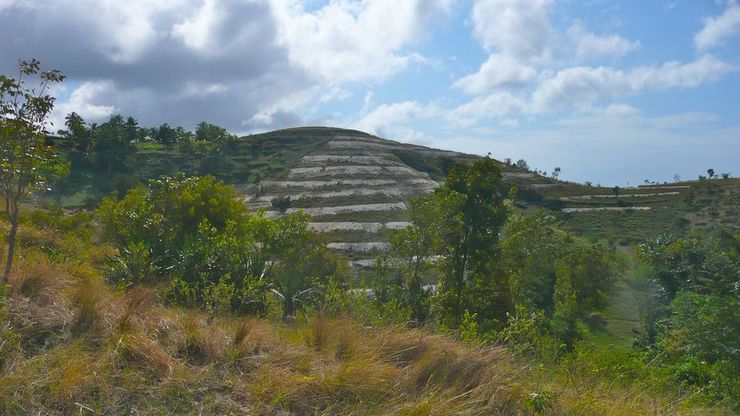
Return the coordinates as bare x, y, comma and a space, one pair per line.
496, 105
383, 119
244, 64
513, 27
498, 71
589, 45
719, 28
83, 101
349, 41
581, 86
522, 44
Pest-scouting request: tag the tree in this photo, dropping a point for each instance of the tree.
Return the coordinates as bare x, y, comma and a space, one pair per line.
133, 132
301, 259
616, 191
113, 143
710, 172
26, 161
77, 133
556, 172
414, 246
164, 134
212, 134
473, 208
522, 164
166, 211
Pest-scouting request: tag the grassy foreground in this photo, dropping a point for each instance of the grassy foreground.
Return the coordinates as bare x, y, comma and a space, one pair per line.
69, 343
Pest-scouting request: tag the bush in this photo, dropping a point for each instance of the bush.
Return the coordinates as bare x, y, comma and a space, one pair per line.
131, 266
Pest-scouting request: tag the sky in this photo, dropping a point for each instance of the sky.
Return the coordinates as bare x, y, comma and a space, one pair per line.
612, 92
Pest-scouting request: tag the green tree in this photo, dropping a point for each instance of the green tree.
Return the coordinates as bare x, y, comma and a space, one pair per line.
414, 246
133, 132
218, 136
166, 211
693, 330
302, 261
112, 142
77, 133
530, 248
473, 208
26, 161
164, 134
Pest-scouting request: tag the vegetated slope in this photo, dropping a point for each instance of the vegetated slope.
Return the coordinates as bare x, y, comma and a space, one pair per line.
74, 345
356, 186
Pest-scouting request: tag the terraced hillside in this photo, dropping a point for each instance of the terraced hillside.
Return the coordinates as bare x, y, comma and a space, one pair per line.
355, 186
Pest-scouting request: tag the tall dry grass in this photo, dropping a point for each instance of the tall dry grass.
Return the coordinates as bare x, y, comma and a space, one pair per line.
71, 344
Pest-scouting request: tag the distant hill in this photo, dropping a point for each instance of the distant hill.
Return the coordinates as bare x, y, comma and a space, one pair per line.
356, 185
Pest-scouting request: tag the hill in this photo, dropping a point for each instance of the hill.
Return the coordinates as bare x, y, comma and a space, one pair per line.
356, 185
102, 317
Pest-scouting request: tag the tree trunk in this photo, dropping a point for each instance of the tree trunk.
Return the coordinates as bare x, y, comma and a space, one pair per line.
288, 308
414, 294
11, 245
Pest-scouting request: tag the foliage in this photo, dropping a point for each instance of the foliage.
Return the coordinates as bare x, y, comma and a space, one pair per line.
530, 247
415, 246
197, 232
473, 208
704, 262
164, 213
27, 162
693, 330
301, 261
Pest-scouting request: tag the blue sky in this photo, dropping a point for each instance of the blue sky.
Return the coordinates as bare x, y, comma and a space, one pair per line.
614, 92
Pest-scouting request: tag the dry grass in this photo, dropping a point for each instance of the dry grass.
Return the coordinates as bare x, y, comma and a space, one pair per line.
114, 352
73, 345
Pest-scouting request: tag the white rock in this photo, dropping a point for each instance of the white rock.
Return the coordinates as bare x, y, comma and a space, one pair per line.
568, 210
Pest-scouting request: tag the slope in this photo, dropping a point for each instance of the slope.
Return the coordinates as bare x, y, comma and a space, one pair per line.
356, 186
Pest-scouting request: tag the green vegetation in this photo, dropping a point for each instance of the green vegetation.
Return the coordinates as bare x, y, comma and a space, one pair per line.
171, 296
72, 343
691, 326
26, 160
196, 235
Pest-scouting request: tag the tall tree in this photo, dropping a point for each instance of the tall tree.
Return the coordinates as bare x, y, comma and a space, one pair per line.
414, 246
77, 133
26, 161
473, 205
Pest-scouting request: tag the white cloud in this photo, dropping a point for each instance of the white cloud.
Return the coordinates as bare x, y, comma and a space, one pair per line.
496, 105
579, 87
513, 27
349, 41
334, 94
717, 29
498, 71
231, 62
384, 118
85, 101
589, 45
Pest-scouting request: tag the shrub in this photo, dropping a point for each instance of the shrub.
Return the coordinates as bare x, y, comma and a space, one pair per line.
131, 266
